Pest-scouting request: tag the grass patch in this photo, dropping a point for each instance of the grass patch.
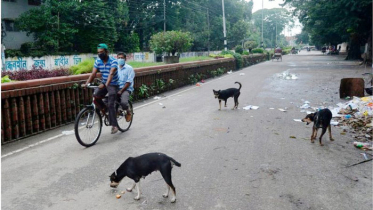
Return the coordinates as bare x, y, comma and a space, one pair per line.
198, 58
137, 64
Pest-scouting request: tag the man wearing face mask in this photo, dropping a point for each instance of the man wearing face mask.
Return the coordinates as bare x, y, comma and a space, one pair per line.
110, 83
126, 76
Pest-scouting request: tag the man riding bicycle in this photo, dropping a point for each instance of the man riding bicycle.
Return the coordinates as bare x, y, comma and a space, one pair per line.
110, 84
126, 76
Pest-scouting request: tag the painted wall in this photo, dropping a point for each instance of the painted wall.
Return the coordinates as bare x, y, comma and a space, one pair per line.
53, 62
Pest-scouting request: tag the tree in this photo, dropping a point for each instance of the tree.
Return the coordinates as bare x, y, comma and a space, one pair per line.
96, 25
272, 18
333, 22
251, 45
303, 38
171, 42
52, 24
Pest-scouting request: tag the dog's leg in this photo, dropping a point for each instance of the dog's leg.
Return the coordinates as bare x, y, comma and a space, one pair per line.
168, 192
322, 133
219, 104
138, 191
314, 133
330, 133
225, 103
166, 174
131, 188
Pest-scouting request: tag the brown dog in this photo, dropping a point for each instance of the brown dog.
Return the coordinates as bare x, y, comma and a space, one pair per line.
320, 119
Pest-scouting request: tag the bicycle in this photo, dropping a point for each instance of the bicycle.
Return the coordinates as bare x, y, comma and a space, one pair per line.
89, 117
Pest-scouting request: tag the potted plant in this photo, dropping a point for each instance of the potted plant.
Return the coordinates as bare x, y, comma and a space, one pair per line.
172, 43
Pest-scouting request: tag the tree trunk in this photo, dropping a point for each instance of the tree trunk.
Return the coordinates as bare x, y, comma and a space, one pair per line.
354, 51
369, 57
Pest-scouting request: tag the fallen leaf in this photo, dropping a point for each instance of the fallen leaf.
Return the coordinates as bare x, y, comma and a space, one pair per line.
293, 137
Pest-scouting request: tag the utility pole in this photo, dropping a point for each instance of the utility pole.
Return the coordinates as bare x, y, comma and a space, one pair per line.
262, 22
224, 31
164, 15
208, 32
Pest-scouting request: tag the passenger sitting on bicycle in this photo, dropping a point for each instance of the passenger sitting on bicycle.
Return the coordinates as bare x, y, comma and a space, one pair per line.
126, 76
110, 84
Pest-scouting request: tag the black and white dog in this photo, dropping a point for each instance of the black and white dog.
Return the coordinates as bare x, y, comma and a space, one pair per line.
141, 166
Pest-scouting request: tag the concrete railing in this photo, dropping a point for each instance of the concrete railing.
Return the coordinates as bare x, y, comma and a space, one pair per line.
34, 106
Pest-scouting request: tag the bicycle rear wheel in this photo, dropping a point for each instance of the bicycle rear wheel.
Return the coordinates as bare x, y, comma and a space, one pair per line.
123, 125
88, 126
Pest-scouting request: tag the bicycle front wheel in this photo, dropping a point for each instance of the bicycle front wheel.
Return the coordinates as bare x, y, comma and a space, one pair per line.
88, 126
123, 125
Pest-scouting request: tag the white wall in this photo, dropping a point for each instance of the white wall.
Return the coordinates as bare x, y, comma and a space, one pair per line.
53, 62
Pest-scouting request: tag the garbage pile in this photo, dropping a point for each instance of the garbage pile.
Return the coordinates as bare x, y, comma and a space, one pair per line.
355, 116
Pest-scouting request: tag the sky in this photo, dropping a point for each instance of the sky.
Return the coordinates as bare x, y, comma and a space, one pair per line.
275, 4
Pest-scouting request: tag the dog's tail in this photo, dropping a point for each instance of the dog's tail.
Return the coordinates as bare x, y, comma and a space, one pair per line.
239, 84
174, 162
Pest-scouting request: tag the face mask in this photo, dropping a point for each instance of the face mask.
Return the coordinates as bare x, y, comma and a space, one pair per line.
102, 56
121, 61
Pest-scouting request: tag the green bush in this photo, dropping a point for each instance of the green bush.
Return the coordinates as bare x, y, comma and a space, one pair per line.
5, 79
251, 45
239, 49
245, 53
226, 52
83, 67
228, 56
26, 47
13, 53
171, 42
238, 58
257, 50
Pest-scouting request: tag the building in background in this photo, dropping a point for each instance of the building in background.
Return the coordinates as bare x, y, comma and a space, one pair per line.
10, 10
291, 40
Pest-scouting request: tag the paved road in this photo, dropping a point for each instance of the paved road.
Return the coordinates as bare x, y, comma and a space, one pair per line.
231, 159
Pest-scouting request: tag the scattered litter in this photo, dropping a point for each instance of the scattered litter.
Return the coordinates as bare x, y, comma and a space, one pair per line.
282, 98
307, 102
164, 107
362, 145
356, 116
229, 72
242, 74
343, 133
157, 98
123, 192
145, 202
309, 112
160, 104
68, 132
334, 123
305, 106
198, 84
203, 81
283, 110
250, 107
286, 75
292, 137
271, 108
364, 155
118, 196
297, 120
302, 110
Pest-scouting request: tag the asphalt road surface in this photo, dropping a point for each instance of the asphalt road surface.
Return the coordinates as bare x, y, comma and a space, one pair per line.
230, 159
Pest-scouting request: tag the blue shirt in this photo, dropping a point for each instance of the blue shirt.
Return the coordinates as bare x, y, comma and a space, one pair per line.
126, 74
105, 69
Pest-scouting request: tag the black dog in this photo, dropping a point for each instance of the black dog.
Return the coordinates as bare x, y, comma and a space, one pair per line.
141, 166
320, 119
225, 94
